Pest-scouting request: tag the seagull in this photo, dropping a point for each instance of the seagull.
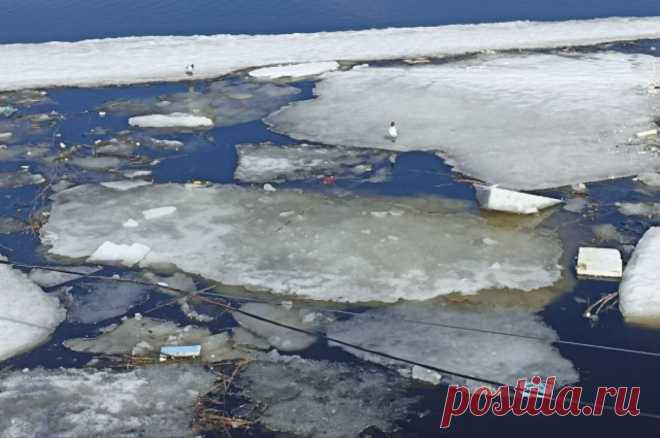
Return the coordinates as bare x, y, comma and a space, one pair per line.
190, 69
392, 132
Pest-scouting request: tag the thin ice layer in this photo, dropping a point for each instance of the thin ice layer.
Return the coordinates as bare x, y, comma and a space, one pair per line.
317, 398
150, 401
522, 121
151, 59
28, 316
266, 162
500, 358
322, 246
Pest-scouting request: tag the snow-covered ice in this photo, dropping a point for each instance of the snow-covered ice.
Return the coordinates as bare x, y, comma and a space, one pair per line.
151, 401
266, 162
501, 358
317, 398
172, 120
294, 71
151, 59
526, 121
110, 253
499, 199
639, 293
329, 246
28, 316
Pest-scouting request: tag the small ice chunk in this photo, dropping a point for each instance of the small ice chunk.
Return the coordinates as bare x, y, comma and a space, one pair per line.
96, 163
131, 223
132, 174
173, 120
651, 179
49, 279
156, 213
103, 300
599, 262
510, 201
425, 375
649, 209
294, 71
119, 254
20, 179
269, 188
124, 185
639, 297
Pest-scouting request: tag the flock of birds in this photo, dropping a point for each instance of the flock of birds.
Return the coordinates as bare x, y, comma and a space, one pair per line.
392, 132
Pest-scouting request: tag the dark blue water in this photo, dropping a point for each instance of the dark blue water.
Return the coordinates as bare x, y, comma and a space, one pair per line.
69, 20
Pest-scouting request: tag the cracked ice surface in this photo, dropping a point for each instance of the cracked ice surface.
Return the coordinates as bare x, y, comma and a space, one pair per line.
500, 358
28, 316
526, 121
152, 401
150, 59
327, 247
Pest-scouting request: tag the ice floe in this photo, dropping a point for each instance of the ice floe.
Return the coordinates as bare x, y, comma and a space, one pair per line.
103, 300
220, 103
324, 246
317, 398
28, 316
599, 262
647, 209
152, 401
504, 119
47, 279
151, 59
501, 358
294, 71
20, 179
266, 162
639, 296
172, 120
651, 179
499, 199
124, 185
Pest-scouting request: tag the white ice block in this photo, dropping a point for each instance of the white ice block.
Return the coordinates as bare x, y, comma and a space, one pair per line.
639, 294
510, 201
599, 262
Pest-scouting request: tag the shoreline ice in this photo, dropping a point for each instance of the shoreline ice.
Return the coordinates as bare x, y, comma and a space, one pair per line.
132, 60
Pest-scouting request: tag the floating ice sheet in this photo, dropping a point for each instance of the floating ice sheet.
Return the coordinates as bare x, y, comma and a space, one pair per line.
522, 121
316, 398
151, 59
294, 71
48, 279
650, 210
639, 296
151, 401
28, 316
322, 246
221, 103
266, 162
103, 300
501, 358
20, 179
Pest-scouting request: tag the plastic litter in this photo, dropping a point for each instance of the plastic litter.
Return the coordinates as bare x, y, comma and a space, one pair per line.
509, 201
179, 352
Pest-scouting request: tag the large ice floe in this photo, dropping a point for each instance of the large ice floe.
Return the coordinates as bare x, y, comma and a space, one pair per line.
523, 121
150, 59
28, 316
639, 293
317, 398
325, 246
407, 330
266, 162
221, 103
153, 401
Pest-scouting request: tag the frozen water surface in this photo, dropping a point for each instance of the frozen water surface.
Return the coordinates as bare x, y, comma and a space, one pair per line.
103, 300
325, 246
323, 399
522, 121
266, 162
151, 59
151, 401
501, 358
28, 316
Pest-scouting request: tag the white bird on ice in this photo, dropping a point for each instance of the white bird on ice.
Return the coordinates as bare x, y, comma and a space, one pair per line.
190, 69
392, 132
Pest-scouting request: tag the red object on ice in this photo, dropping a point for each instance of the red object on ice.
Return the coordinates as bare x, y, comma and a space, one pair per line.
329, 180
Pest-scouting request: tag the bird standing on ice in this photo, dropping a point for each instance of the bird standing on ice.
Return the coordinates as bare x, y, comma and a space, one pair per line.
392, 132
190, 69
